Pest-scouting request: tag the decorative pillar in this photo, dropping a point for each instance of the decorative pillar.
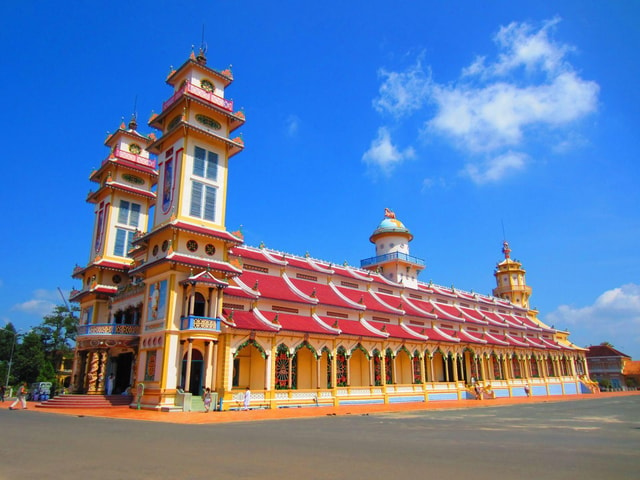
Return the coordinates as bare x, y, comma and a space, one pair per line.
267, 370
483, 372
423, 373
446, 368
192, 299
208, 347
290, 379
433, 377
455, 361
348, 360
214, 367
394, 369
187, 375
318, 370
383, 367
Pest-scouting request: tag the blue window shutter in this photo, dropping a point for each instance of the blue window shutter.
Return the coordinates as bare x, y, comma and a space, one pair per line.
121, 237
123, 212
212, 166
129, 240
210, 204
198, 162
135, 215
196, 199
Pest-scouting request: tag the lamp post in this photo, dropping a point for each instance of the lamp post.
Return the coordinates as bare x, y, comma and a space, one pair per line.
15, 336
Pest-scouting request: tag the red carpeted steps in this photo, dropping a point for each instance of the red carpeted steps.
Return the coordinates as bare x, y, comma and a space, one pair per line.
86, 401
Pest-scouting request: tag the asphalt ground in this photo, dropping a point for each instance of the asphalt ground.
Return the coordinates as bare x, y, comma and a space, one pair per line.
584, 437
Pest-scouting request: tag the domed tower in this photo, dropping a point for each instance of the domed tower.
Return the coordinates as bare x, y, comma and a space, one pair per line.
510, 280
392, 259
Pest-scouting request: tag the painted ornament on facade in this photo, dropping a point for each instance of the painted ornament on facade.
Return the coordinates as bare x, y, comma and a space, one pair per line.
156, 307
100, 230
167, 184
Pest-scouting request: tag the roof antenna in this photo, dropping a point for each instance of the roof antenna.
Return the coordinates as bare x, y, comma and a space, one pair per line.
201, 57
133, 124
505, 245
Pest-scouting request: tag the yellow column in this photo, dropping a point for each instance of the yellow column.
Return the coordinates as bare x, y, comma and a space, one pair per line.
187, 375
214, 367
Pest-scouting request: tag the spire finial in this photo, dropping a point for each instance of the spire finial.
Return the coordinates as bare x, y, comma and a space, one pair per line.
506, 250
201, 57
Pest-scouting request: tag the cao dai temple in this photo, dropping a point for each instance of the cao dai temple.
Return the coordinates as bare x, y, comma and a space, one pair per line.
172, 302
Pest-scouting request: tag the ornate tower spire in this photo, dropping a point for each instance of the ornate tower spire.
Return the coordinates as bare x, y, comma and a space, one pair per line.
510, 280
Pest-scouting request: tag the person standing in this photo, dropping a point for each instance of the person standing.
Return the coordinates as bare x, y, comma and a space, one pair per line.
20, 398
110, 381
207, 399
247, 399
3, 391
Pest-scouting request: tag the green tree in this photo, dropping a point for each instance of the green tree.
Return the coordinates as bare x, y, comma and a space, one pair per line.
29, 358
58, 332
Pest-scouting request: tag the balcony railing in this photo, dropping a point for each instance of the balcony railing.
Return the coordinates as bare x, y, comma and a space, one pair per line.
200, 93
132, 157
391, 256
193, 322
108, 329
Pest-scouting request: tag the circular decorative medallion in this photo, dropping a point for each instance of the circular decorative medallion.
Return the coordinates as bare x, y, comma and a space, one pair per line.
116, 279
192, 245
165, 245
155, 250
207, 85
209, 249
208, 122
135, 148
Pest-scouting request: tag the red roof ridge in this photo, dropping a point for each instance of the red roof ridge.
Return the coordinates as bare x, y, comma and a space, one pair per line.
446, 335
298, 292
373, 329
385, 304
357, 305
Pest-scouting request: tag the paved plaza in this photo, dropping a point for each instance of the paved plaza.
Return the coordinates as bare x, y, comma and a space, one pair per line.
591, 438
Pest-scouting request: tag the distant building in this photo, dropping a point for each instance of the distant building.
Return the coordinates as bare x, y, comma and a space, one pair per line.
607, 365
171, 300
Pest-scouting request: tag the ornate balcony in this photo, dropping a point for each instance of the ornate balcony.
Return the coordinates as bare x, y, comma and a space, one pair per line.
390, 257
193, 322
103, 329
133, 158
200, 93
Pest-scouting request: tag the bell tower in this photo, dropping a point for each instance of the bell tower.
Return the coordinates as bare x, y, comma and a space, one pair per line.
510, 280
123, 200
392, 259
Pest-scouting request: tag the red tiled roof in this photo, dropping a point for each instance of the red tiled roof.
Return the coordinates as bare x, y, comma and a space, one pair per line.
247, 320
297, 323
352, 327
473, 316
604, 351
234, 291
323, 292
365, 298
447, 312
394, 331
271, 286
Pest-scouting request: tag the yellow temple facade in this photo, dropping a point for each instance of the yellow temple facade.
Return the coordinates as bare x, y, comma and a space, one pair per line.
173, 303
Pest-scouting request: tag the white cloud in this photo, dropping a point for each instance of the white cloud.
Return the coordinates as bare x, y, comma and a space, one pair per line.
614, 317
495, 169
41, 303
402, 93
292, 124
384, 154
526, 92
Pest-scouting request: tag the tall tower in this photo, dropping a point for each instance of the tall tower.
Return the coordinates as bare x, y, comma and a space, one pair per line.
122, 203
123, 200
392, 259
510, 280
183, 260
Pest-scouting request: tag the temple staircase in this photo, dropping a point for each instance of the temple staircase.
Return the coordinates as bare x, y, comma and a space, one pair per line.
86, 401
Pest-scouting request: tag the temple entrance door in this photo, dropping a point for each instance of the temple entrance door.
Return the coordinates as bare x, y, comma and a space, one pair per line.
197, 371
123, 365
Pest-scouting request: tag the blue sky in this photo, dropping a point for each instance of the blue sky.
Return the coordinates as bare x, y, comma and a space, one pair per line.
468, 119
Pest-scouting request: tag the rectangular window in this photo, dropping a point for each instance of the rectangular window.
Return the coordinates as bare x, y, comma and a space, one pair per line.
205, 164
129, 213
203, 201
123, 242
